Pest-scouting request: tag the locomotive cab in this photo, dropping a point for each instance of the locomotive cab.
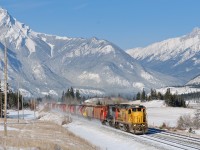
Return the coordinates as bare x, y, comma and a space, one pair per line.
132, 119
137, 119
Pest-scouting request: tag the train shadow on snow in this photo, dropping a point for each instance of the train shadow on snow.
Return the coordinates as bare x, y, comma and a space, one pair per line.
154, 131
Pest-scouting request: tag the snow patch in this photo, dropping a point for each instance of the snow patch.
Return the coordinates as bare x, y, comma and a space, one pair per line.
51, 92
108, 49
90, 76
25, 93
62, 38
178, 90
38, 72
194, 81
30, 45
146, 75
91, 92
138, 85
115, 80
57, 118
92, 100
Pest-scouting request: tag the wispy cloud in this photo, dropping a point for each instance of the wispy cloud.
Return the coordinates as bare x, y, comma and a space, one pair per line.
79, 7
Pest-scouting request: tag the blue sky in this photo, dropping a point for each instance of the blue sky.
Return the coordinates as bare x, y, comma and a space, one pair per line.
127, 23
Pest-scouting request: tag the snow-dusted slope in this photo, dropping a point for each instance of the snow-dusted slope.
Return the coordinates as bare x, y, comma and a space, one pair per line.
195, 81
44, 63
179, 56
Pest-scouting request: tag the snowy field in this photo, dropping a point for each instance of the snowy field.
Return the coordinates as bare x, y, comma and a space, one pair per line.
28, 114
13, 114
159, 113
97, 134
45, 133
106, 138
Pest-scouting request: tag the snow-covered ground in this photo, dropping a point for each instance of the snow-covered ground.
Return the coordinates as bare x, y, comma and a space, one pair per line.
107, 138
13, 114
158, 113
27, 114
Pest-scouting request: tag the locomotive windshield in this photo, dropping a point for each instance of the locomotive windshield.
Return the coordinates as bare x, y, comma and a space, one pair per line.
136, 109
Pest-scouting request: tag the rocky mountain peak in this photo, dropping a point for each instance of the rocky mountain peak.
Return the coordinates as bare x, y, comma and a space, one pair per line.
194, 34
44, 63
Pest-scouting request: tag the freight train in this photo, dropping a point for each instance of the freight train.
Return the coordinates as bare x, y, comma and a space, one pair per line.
130, 118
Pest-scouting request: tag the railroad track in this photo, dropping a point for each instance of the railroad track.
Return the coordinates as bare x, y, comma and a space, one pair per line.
184, 140
173, 134
173, 142
159, 139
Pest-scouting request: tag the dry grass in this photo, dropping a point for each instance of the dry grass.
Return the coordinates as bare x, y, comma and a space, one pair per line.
41, 135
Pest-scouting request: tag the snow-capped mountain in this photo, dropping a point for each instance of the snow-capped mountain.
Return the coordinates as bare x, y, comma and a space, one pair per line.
43, 63
179, 57
195, 81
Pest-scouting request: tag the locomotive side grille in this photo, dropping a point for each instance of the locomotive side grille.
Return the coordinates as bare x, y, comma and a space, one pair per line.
137, 117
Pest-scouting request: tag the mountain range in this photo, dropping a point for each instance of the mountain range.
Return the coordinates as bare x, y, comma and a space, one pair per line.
177, 57
40, 64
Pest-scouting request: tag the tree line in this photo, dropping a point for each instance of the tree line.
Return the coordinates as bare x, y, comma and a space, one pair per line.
191, 96
12, 99
71, 96
170, 99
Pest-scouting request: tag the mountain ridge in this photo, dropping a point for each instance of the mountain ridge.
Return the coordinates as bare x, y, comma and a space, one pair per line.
178, 56
44, 63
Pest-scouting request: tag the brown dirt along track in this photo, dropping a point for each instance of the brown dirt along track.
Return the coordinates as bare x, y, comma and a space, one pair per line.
40, 135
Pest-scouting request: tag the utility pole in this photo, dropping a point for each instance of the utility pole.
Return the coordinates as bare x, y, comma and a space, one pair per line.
34, 108
1, 93
18, 101
5, 91
23, 106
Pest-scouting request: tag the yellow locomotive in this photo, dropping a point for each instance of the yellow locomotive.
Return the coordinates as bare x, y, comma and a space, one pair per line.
130, 118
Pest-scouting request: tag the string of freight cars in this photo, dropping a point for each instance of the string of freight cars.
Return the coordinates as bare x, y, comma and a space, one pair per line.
129, 118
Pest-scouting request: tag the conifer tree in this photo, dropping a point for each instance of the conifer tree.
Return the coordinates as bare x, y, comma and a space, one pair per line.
72, 93
138, 96
78, 97
153, 94
143, 96
63, 96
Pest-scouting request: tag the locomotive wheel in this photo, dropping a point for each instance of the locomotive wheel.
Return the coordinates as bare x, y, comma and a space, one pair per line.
143, 131
110, 123
103, 122
117, 125
126, 127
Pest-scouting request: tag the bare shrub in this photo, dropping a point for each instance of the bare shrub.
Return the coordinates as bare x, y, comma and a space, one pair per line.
184, 122
180, 123
196, 119
64, 121
187, 120
164, 126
